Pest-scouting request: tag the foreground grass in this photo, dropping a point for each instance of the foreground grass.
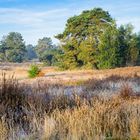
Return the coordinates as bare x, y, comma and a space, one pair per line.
47, 112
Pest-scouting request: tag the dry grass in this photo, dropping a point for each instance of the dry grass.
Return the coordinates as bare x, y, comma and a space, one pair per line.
3, 131
116, 118
76, 75
53, 74
98, 109
20, 70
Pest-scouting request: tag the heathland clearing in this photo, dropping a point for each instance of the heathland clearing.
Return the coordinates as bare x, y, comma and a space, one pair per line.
78, 104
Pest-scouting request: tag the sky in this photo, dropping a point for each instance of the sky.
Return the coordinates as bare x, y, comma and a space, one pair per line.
36, 19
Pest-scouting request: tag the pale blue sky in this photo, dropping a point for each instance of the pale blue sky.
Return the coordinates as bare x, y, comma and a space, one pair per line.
35, 19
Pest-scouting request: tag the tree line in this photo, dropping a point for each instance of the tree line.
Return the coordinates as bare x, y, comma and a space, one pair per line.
13, 49
89, 40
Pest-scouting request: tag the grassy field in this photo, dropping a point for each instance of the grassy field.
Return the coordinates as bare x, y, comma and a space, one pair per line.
70, 105
20, 72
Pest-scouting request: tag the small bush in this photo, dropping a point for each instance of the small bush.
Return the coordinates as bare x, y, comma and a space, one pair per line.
34, 71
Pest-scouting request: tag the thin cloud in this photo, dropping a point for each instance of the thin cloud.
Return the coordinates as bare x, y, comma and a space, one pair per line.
28, 17
133, 20
35, 23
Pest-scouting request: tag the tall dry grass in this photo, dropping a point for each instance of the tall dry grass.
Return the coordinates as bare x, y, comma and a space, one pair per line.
116, 118
46, 112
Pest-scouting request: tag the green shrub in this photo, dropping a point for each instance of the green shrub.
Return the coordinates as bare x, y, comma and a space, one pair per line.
34, 71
